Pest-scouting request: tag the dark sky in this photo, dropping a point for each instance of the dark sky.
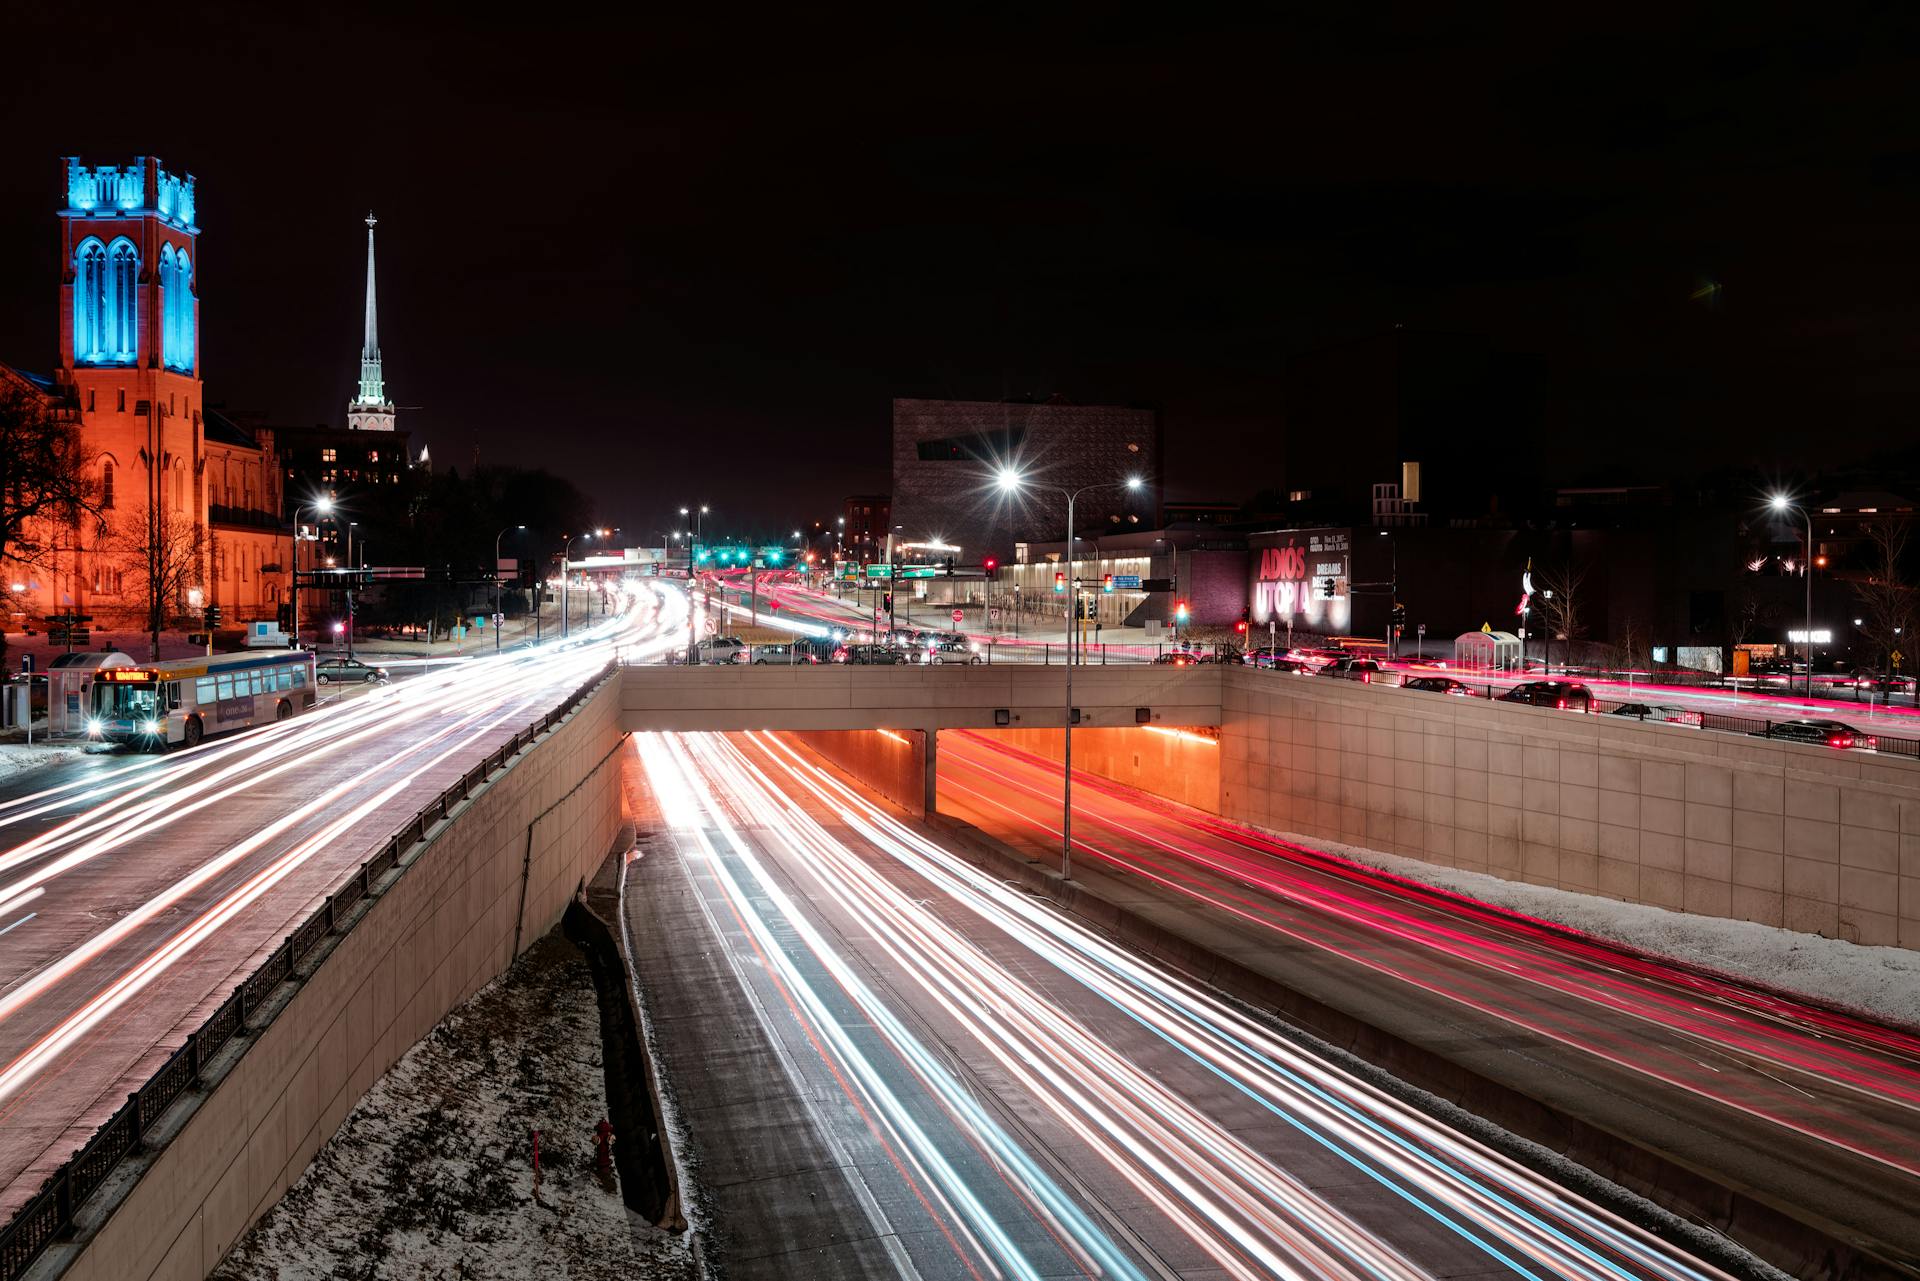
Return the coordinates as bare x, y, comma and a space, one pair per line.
695, 255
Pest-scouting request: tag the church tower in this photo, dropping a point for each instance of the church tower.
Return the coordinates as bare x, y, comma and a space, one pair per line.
370, 410
130, 332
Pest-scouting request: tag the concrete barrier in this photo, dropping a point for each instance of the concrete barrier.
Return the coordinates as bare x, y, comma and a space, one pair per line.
1721, 824
496, 872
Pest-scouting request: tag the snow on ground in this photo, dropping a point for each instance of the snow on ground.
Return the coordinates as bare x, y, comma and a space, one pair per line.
1880, 981
17, 758
430, 1176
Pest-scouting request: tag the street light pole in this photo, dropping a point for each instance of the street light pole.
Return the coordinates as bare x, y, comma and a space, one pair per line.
693, 552
498, 613
1011, 480
1781, 504
321, 506
566, 583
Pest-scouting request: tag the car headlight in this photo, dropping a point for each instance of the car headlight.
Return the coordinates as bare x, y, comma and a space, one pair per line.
152, 727
93, 727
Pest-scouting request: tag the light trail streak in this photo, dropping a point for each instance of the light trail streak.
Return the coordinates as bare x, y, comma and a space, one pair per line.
391, 742
1313, 893
1247, 1214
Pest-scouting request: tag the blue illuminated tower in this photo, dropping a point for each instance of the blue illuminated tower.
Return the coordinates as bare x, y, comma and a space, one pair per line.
370, 410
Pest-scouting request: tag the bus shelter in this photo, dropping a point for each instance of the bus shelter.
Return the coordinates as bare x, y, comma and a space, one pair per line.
1488, 651
70, 677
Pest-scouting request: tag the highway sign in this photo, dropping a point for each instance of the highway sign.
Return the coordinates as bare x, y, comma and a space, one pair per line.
1130, 581
916, 571
876, 571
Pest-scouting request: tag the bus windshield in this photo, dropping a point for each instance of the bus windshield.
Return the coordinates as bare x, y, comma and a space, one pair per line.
126, 702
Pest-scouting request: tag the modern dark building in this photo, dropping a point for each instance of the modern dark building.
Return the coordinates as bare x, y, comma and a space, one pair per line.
947, 455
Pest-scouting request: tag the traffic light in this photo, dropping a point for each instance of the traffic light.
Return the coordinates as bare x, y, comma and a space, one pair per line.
1399, 614
1059, 580
1180, 612
213, 617
1106, 584
1326, 589
1240, 625
991, 567
886, 602
949, 567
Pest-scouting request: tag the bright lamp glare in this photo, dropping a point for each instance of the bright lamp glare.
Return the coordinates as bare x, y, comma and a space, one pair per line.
1009, 478
1779, 502
324, 506
1133, 482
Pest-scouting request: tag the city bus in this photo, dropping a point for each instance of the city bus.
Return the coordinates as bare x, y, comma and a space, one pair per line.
184, 700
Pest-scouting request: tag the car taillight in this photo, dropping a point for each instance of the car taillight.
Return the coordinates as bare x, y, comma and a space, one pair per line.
1561, 704
1839, 741
1366, 678
1872, 743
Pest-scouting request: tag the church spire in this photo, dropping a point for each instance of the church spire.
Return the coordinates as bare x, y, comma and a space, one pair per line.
370, 410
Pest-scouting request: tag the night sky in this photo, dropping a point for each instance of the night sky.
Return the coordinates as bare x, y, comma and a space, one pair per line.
695, 256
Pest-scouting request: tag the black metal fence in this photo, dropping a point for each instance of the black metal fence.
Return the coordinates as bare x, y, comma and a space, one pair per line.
50, 1214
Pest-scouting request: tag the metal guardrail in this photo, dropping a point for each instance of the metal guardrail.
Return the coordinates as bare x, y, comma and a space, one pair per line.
49, 1215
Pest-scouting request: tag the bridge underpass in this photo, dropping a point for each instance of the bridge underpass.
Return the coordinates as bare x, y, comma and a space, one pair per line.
1125, 714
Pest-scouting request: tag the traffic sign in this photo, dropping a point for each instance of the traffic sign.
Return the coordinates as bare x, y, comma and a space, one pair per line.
916, 571
877, 571
1129, 581
958, 615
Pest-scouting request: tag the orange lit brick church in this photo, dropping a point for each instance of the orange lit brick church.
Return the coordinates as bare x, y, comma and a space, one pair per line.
166, 472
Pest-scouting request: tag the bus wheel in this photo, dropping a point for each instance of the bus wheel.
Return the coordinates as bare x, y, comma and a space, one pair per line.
284, 710
193, 732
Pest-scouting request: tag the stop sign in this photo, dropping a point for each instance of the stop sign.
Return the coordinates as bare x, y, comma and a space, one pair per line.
774, 605
958, 615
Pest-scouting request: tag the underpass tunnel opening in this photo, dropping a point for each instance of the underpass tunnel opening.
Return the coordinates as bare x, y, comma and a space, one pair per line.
1178, 763
893, 763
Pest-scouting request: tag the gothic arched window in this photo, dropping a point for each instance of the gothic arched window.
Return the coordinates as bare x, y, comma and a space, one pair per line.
106, 486
123, 268
176, 283
89, 301
169, 309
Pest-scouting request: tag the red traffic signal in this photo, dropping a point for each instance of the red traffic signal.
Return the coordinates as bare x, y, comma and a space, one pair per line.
1107, 585
989, 564
1060, 581
1240, 626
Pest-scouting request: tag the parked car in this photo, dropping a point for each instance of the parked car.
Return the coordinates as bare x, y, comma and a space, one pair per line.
797, 654
344, 671
1326, 654
1823, 732
720, 649
1277, 660
1438, 685
1561, 694
1655, 712
954, 651
1882, 683
1178, 658
871, 655
1364, 670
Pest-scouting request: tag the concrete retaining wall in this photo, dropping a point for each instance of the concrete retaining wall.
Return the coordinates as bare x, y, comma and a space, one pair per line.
435, 935
1720, 824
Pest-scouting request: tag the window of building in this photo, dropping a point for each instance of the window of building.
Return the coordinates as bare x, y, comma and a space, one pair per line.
373, 455
123, 400
329, 456
106, 486
89, 400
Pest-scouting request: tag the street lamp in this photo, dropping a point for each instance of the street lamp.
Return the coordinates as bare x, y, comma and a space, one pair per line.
693, 551
566, 580
498, 613
1780, 503
1010, 481
323, 507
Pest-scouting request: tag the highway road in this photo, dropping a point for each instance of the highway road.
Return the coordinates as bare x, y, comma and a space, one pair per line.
1005, 1093
1816, 1108
136, 891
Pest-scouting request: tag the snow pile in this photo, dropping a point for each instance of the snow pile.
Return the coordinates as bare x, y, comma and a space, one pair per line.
18, 758
1880, 981
431, 1175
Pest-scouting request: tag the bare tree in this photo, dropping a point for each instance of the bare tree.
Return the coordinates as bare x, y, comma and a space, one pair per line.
44, 490
168, 552
1560, 603
1887, 600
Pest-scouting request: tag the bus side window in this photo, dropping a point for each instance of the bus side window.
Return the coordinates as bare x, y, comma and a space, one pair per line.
173, 695
206, 689
299, 678
284, 678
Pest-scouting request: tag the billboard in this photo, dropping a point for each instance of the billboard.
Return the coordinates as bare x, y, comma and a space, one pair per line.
1290, 572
